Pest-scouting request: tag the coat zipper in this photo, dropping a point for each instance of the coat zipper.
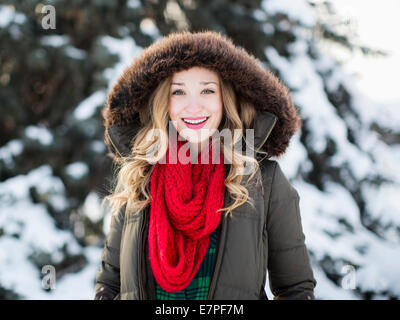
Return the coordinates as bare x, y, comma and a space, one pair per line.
218, 261
141, 250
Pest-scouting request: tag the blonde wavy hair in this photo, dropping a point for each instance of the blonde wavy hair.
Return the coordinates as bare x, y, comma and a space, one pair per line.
133, 173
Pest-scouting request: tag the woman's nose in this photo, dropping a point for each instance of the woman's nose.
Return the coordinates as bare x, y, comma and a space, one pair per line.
194, 107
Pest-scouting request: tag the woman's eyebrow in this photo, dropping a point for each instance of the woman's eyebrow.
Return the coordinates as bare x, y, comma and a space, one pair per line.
201, 82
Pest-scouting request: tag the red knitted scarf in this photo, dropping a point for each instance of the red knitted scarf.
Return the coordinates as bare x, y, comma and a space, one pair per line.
184, 201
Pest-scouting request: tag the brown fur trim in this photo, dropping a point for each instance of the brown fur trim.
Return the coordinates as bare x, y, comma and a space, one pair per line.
183, 50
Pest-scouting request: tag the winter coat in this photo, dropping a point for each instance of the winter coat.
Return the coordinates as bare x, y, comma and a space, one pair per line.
268, 236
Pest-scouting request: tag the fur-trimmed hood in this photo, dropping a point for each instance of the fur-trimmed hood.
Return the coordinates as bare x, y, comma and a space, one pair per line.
277, 118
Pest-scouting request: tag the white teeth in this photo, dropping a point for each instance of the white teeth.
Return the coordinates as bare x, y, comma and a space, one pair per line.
195, 121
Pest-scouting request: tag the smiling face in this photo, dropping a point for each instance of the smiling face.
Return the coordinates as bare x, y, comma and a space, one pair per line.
195, 104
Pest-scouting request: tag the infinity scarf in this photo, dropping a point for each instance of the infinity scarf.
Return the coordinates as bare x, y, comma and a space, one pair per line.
184, 201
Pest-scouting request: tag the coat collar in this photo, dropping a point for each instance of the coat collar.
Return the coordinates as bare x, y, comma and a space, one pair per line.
121, 136
264, 122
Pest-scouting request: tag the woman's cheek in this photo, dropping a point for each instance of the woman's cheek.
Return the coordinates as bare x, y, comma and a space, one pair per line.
174, 110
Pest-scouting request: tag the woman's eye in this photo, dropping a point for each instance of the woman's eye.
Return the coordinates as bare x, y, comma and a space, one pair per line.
211, 91
180, 91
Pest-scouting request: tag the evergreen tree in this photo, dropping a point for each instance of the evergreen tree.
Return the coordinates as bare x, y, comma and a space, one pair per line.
53, 164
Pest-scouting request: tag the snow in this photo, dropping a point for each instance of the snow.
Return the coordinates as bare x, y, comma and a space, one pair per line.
298, 10
75, 286
19, 213
10, 20
8, 15
320, 213
77, 170
331, 218
24, 278
326, 290
147, 26
87, 108
133, 4
295, 157
259, 15
92, 207
268, 28
98, 146
11, 149
385, 114
75, 53
308, 92
55, 40
28, 229
375, 77
126, 49
41, 134
383, 275
385, 206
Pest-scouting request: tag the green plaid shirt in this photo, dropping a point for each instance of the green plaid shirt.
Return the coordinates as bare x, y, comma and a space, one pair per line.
198, 288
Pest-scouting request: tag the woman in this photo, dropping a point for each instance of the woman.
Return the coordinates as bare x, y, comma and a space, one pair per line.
209, 225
